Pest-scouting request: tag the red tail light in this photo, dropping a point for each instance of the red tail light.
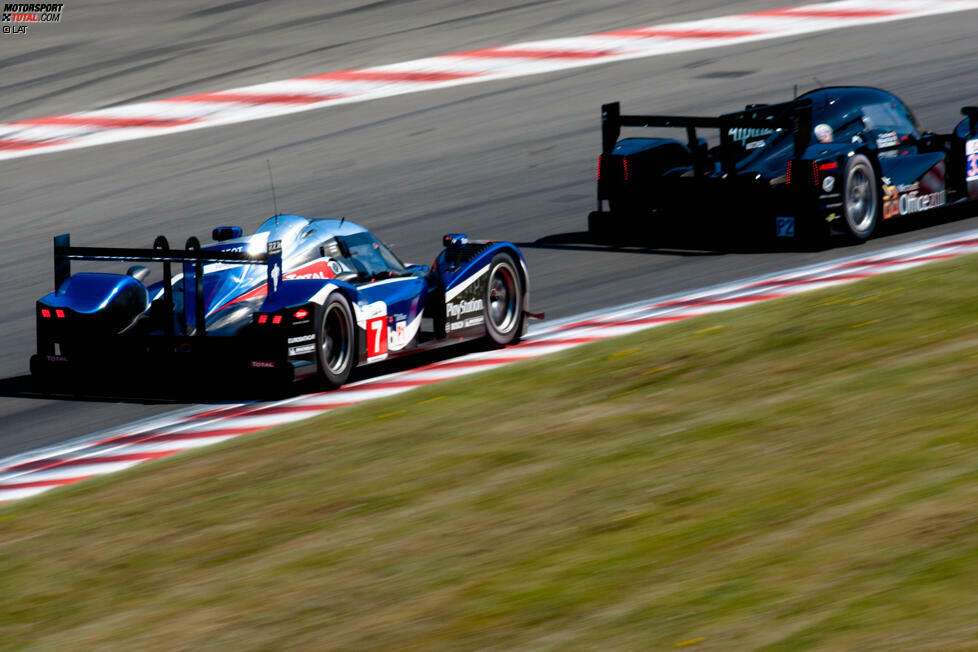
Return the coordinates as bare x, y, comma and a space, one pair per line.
45, 313
624, 167
600, 161
262, 319
828, 166
59, 313
301, 313
277, 319
808, 173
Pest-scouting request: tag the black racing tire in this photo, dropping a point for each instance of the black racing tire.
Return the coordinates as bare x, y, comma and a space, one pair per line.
503, 302
599, 226
336, 341
860, 197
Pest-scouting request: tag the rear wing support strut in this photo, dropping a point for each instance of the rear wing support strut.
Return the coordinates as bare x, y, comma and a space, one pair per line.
193, 258
612, 121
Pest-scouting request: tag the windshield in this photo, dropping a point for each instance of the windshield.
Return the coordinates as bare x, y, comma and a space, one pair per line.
368, 256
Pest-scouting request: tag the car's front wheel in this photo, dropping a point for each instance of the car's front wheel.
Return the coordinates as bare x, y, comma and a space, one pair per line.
336, 341
861, 197
503, 302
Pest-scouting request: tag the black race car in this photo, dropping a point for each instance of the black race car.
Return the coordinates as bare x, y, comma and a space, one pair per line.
835, 160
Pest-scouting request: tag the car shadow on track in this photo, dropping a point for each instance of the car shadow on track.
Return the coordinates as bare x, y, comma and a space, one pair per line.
217, 391
688, 242
673, 244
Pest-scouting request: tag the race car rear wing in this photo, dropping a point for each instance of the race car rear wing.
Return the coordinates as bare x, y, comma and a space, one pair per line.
193, 259
800, 122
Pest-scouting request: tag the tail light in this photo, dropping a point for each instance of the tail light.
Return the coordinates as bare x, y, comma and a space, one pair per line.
301, 313
277, 319
59, 313
620, 168
262, 319
802, 172
45, 313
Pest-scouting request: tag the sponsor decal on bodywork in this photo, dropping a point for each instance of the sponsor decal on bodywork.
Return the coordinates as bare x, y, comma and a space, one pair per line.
888, 139
401, 332
744, 134
372, 317
823, 133
320, 269
784, 227
924, 194
463, 302
301, 350
455, 310
971, 160
907, 199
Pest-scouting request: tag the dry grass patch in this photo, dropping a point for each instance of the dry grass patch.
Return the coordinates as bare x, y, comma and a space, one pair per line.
799, 475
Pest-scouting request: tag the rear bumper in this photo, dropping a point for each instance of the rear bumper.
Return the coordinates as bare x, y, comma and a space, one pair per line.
736, 206
170, 360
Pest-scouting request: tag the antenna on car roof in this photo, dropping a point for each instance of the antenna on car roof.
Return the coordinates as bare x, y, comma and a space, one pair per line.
342, 219
271, 180
796, 92
820, 84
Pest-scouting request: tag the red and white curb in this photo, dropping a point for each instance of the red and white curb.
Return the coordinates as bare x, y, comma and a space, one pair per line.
177, 114
38, 471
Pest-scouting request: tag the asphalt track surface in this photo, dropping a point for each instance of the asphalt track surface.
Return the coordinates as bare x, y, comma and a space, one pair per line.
511, 159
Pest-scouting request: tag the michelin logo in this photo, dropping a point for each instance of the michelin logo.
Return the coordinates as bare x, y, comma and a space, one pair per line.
300, 350
455, 310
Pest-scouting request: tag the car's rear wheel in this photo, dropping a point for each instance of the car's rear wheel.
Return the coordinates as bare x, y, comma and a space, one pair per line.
503, 302
336, 341
860, 197
600, 225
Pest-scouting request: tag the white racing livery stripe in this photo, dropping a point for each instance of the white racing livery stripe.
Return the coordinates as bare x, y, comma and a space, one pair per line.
32, 473
177, 114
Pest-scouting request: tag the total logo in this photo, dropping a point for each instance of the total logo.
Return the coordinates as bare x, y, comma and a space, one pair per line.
456, 310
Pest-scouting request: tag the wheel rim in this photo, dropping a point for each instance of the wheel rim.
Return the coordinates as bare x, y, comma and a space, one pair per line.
860, 199
336, 341
503, 311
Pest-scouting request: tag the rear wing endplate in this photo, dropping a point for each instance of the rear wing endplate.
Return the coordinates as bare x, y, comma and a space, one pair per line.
193, 258
612, 121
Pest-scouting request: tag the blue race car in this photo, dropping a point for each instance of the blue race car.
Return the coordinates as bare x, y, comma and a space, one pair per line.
298, 298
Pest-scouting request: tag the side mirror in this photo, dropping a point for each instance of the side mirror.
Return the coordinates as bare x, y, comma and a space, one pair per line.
138, 272
454, 240
222, 233
971, 112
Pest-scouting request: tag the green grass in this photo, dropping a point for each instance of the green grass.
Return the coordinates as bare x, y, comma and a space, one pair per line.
798, 475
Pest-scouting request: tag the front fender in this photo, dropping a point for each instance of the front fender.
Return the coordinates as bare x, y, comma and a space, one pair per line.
459, 269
